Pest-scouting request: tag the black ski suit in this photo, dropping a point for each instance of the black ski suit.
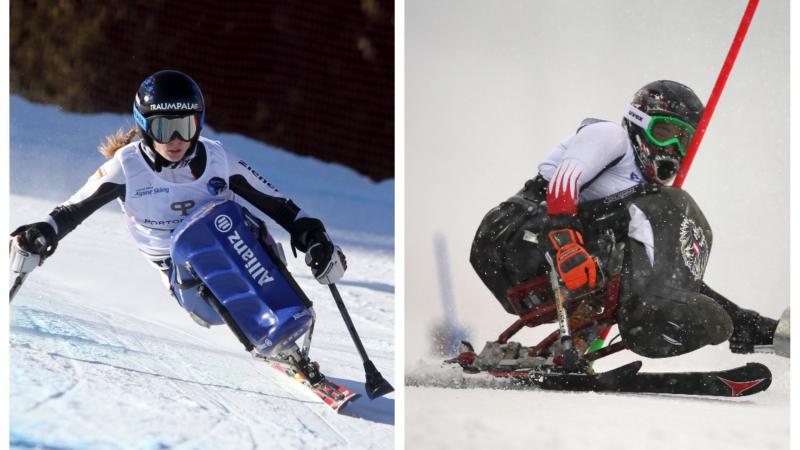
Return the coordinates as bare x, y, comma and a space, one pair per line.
665, 309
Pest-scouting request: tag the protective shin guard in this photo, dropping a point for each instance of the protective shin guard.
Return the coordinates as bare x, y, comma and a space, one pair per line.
660, 326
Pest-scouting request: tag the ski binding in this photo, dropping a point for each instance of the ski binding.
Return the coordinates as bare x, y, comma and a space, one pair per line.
306, 372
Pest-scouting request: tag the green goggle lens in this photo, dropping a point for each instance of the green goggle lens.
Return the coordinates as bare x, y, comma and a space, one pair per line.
665, 131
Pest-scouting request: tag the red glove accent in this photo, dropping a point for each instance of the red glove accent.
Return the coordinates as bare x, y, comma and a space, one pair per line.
575, 265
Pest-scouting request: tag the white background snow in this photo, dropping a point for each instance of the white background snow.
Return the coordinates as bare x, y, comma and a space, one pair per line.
102, 357
489, 91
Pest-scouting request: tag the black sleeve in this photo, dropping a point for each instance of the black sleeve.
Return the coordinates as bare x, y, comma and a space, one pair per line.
281, 209
69, 215
106, 184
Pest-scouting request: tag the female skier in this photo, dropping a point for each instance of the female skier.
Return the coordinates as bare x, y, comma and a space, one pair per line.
164, 176
603, 164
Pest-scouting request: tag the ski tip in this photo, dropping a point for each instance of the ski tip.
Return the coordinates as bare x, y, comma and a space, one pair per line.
759, 369
751, 379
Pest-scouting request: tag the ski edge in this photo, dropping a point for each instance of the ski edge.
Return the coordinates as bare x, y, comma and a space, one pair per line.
741, 381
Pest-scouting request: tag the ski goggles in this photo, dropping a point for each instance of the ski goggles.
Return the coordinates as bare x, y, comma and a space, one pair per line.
663, 131
166, 128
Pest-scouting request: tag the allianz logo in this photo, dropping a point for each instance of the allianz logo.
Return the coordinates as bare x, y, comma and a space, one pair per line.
300, 314
296, 335
254, 267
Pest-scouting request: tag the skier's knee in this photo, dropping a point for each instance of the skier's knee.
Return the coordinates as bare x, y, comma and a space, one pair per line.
715, 320
659, 326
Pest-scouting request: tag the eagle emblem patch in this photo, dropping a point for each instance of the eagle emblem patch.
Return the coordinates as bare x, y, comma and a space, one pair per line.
694, 248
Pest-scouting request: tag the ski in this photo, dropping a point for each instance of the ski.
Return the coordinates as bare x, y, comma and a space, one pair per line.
331, 393
738, 382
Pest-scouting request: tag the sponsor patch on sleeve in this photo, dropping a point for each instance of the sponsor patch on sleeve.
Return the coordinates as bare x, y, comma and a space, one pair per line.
257, 175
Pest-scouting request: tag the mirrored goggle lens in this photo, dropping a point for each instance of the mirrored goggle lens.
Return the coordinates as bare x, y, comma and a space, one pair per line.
164, 129
666, 131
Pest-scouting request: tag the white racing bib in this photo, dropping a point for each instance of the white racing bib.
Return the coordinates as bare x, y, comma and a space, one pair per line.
154, 207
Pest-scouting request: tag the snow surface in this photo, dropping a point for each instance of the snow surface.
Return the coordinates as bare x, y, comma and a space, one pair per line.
102, 357
516, 419
489, 91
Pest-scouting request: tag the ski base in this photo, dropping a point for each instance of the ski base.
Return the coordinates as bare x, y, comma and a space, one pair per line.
738, 382
334, 395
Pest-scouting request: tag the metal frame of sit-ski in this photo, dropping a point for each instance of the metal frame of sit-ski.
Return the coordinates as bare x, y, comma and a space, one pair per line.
541, 309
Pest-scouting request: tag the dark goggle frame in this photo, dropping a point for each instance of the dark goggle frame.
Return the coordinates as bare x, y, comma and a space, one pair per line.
164, 128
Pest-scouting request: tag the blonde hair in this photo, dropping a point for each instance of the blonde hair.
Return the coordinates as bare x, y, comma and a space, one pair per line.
116, 141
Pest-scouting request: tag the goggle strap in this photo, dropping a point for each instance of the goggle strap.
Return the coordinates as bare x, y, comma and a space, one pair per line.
139, 118
637, 116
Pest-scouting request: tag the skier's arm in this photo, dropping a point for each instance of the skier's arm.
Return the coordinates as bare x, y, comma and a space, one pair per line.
41, 238
251, 186
308, 234
106, 184
589, 152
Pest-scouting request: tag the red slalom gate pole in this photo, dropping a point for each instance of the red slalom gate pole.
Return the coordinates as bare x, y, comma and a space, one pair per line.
716, 92
733, 52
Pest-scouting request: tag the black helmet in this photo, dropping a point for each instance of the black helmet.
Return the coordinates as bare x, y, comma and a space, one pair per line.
661, 121
169, 105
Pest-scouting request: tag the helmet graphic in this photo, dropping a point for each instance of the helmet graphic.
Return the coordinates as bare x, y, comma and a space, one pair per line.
661, 120
169, 105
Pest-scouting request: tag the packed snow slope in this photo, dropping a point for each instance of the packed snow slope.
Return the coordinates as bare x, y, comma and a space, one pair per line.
102, 357
490, 90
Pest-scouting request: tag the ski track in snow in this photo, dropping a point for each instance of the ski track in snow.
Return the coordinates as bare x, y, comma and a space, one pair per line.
102, 357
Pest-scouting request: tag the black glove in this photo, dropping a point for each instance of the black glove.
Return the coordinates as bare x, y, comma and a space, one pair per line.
749, 330
326, 260
38, 238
